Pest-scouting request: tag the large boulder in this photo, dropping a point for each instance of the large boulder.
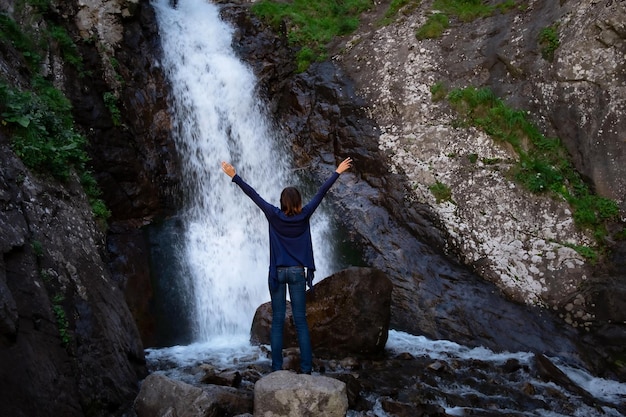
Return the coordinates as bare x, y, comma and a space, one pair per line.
161, 396
286, 394
348, 313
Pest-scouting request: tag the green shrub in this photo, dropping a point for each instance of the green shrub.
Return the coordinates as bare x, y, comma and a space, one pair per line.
43, 136
39, 119
37, 248
93, 192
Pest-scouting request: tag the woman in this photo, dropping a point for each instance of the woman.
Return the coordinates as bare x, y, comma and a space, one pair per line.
291, 251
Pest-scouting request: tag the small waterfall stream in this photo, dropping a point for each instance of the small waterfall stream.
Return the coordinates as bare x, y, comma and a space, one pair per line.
217, 116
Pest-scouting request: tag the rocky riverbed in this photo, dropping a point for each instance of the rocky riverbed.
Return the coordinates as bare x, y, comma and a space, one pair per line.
414, 376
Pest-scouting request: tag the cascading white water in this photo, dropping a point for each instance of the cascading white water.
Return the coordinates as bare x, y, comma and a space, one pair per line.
217, 116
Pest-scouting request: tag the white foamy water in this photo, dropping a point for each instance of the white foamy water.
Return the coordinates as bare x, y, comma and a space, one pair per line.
217, 116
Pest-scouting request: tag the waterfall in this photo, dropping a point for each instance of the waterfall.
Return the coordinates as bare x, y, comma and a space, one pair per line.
217, 116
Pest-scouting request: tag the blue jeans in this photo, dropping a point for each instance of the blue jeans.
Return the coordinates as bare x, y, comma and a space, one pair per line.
293, 277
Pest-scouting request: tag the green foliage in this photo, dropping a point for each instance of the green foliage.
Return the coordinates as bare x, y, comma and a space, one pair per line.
42, 127
312, 24
543, 162
441, 192
62, 322
586, 252
43, 136
438, 92
115, 64
490, 161
395, 6
473, 157
93, 192
10, 32
39, 119
37, 248
67, 46
110, 101
434, 26
464, 10
549, 42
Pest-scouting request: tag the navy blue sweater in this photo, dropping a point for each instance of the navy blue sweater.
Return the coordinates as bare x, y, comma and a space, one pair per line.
290, 236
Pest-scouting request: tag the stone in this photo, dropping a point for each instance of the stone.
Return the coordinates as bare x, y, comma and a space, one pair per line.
161, 396
287, 394
348, 312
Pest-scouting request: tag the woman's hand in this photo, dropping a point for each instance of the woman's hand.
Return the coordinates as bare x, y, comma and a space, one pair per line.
228, 169
344, 165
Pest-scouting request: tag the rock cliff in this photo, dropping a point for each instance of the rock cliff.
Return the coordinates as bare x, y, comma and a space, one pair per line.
69, 344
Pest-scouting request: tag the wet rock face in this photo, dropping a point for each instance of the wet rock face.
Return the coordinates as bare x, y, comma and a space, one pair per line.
68, 342
67, 339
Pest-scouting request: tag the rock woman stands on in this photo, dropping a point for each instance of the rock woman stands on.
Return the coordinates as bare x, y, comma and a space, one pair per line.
291, 251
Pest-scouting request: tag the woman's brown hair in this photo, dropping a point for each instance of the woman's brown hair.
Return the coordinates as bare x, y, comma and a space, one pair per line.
291, 201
